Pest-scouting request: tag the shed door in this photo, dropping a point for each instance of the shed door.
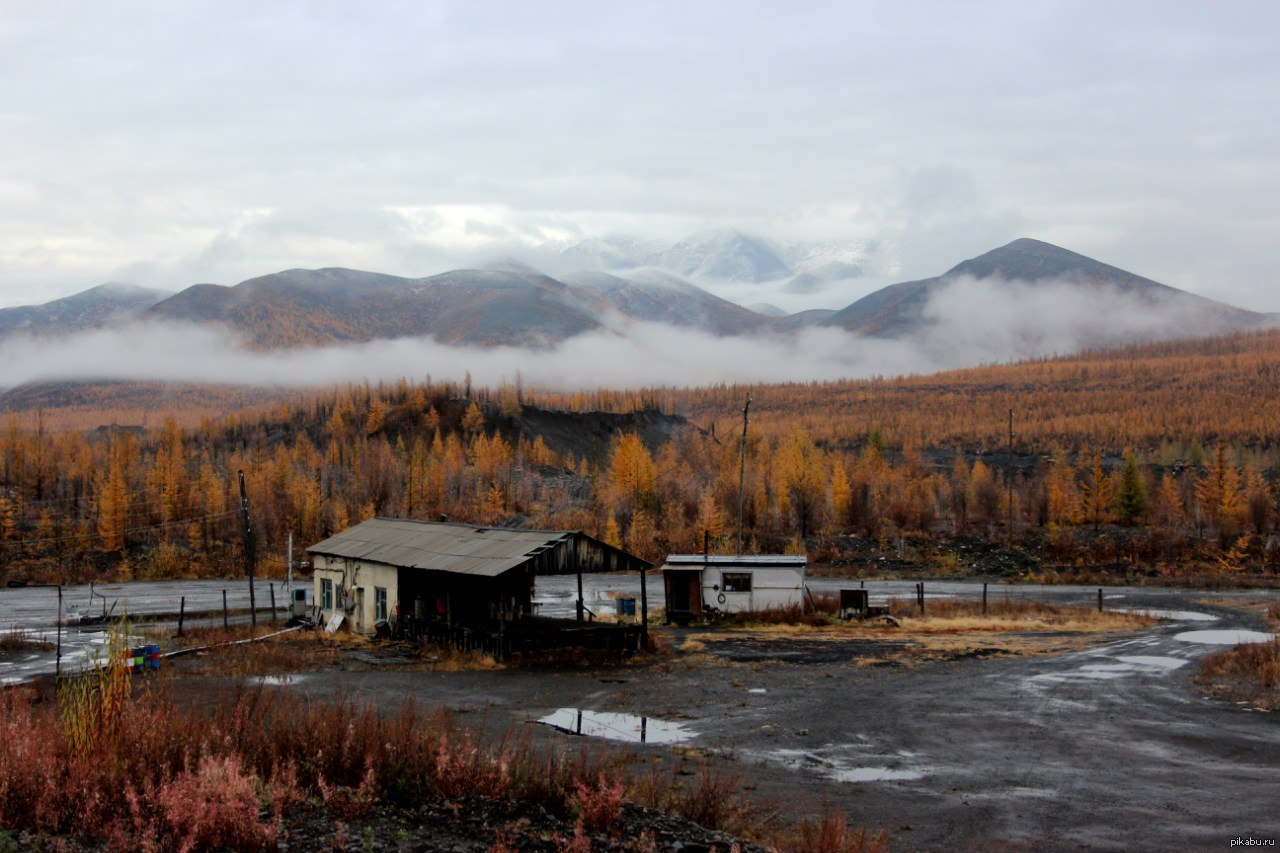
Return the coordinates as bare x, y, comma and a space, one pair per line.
684, 593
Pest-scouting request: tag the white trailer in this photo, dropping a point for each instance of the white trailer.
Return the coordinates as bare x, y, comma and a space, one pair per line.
699, 583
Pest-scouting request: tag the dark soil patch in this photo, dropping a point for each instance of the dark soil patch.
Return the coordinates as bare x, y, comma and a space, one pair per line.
750, 649
475, 825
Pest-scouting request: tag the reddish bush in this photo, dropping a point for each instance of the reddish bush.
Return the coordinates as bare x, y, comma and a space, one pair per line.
599, 807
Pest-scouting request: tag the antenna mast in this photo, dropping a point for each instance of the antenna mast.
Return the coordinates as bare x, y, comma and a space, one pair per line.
742, 470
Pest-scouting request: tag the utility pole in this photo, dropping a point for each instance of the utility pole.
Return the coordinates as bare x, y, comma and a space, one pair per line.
742, 471
248, 551
1009, 476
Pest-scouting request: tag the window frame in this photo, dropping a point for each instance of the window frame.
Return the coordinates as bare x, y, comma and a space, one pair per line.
736, 581
379, 604
326, 593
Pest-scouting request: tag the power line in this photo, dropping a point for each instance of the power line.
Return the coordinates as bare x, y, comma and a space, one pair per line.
126, 531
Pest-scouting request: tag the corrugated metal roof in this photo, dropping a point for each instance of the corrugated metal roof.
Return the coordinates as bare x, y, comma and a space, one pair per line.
440, 546
789, 561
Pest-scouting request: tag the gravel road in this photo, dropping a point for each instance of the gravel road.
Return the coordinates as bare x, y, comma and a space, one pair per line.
1109, 747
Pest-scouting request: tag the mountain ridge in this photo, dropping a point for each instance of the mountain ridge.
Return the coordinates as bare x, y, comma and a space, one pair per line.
510, 303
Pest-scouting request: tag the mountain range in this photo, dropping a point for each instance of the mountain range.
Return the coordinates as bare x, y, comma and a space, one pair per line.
510, 303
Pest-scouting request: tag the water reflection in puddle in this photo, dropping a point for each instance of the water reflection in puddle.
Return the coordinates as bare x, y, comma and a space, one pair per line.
876, 774
279, 680
1225, 637
844, 764
1124, 665
1172, 615
611, 726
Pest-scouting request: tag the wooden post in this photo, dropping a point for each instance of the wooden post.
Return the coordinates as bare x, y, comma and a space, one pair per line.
225, 624
272, 588
920, 597
1099, 599
580, 616
984, 599
502, 624
644, 611
57, 662
182, 612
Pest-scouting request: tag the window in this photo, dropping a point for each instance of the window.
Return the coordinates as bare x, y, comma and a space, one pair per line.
326, 594
736, 581
379, 603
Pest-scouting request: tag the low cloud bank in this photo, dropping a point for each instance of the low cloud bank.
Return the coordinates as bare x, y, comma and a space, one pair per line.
966, 323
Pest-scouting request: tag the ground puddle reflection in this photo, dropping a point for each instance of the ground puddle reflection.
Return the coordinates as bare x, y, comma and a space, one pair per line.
1171, 615
611, 726
1224, 637
876, 774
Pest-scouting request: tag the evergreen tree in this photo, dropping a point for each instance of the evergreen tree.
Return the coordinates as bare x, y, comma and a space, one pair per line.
1131, 496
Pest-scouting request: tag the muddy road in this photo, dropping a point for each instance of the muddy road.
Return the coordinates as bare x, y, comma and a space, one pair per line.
1103, 748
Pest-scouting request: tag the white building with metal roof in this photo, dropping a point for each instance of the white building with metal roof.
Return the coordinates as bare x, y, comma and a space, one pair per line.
699, 583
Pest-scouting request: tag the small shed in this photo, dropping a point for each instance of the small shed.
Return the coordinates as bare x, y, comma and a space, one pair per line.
698, 583
428, 578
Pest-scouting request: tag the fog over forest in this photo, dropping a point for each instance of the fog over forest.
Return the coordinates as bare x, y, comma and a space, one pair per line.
969, 322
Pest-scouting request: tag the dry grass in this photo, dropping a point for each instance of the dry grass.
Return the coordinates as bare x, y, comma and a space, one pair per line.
223, 774
23, 641
951, 628
203, 777
1248, 674
950, 615
831, 833
223, 652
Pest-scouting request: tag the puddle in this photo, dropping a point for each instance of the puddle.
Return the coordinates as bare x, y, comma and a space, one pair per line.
1122, 667
876, 774
832, 763
624, 727
1154, 662
1229, 637
279, 680
1172, 615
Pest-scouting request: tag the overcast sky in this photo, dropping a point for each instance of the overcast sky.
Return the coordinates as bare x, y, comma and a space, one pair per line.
166, 144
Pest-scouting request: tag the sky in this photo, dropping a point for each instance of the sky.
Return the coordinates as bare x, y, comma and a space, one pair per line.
165, 144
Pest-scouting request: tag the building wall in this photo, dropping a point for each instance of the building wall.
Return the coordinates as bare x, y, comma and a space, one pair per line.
772, 587
355, 586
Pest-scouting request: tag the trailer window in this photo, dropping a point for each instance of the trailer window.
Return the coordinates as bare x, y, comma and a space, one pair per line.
736, 581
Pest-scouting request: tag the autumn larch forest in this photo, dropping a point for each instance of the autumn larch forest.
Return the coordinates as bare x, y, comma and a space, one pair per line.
1156, 461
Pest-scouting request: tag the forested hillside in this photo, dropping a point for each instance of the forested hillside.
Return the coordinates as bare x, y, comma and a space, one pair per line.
1158, 459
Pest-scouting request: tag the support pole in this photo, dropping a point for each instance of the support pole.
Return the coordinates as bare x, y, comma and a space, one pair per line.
644, 611
1009, 477
272, 588
984, 599
248, 551
57, 663
1099, 599
742, 471
182, 612
226, 625
580, 616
